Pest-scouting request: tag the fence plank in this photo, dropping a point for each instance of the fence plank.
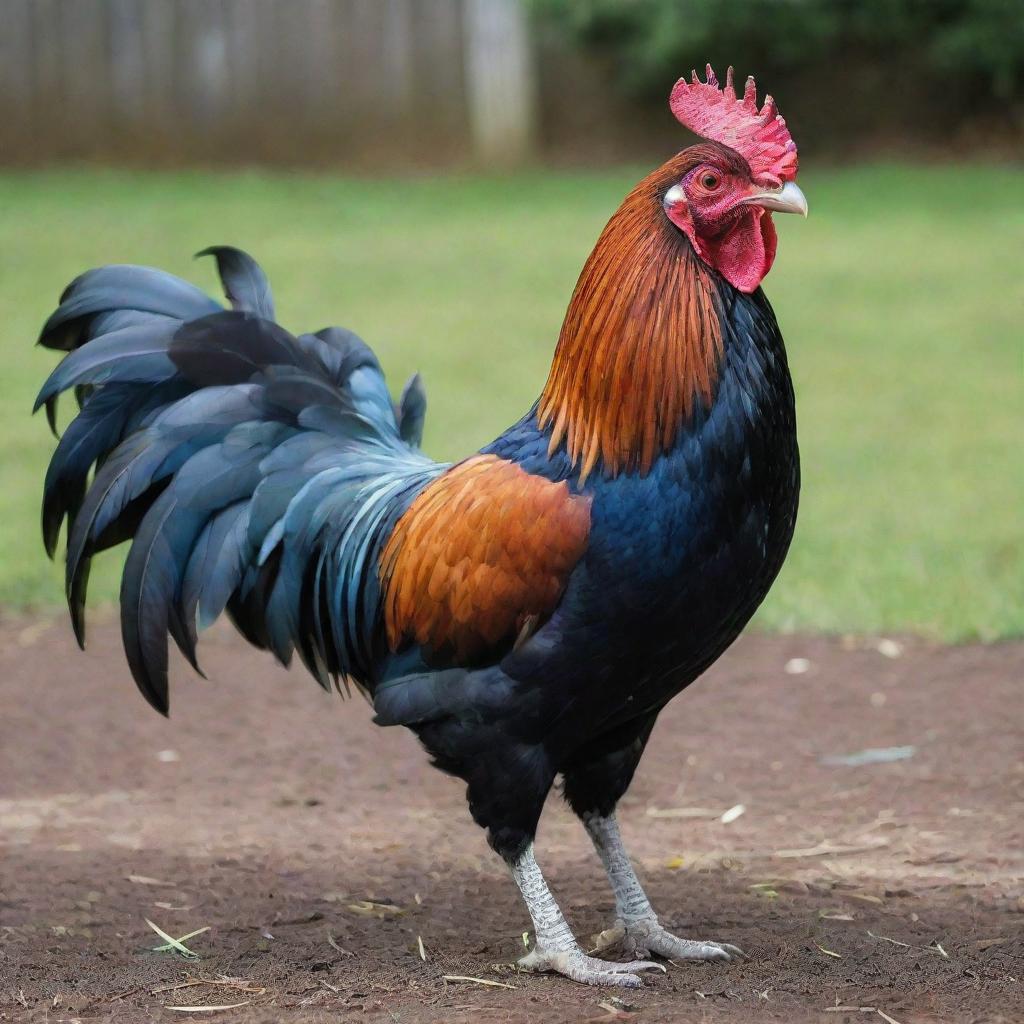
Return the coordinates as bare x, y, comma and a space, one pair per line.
83, 74
48, 120
16, 92
500, 75
179, 80
158, 135
128, 68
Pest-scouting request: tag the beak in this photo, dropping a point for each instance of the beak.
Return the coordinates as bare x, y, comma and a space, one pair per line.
788, 199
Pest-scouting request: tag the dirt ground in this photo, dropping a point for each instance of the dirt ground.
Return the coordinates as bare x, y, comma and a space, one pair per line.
267, 811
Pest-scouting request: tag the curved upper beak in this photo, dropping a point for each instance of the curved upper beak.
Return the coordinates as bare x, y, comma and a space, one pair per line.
788, 199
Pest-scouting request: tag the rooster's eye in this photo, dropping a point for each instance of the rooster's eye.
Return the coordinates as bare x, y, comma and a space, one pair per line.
709, 181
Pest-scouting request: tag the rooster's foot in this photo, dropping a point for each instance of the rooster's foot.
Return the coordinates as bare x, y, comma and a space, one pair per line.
576, 965
642, 938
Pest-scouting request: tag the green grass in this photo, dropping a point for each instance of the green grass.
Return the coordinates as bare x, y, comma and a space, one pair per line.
900, 298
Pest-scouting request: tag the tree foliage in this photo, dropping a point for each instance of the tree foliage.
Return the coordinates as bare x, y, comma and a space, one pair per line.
970, 52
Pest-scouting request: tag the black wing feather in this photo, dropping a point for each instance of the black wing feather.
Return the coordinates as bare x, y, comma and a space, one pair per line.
254, 471
245, 283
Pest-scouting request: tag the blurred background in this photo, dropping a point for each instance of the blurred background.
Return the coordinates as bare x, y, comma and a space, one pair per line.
433, 173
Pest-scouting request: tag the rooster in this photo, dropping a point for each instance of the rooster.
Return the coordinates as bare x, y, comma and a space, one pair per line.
528, 611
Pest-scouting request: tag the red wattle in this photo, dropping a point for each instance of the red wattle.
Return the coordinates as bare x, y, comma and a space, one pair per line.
744, 254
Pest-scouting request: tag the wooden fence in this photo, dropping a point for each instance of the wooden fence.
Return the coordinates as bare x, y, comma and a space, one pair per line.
295, 81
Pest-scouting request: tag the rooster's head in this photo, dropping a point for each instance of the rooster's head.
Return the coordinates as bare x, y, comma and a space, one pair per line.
721, 193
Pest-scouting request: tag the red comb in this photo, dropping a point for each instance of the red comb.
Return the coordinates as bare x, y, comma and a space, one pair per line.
759, 136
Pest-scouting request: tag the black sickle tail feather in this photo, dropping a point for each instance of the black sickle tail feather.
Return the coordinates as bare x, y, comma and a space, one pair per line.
254, 471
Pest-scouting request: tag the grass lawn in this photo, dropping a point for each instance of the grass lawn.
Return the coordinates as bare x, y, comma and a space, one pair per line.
900, 299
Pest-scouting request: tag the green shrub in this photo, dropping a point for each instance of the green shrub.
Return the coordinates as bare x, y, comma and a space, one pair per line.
965, 54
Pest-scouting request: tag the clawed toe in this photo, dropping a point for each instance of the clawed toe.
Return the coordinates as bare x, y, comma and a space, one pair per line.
734, 952
686, 950
588, 970
629, 966
650, 937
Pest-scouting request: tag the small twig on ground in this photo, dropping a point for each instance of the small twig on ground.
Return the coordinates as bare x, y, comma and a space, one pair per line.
830, 952
477, 981
334, 945
861, 1009
238, 984
208, 1009
682, 812
124, 995
833, 850
834, 915
886, 1017
895, 942
611, 1013
174, 987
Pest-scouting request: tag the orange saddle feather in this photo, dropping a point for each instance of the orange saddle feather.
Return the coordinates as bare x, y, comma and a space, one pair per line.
484, 552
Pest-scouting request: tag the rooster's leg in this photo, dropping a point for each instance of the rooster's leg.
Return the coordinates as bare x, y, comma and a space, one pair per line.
642, 934
556, 949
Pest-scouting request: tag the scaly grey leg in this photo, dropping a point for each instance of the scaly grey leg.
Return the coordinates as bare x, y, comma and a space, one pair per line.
643, 934
555, 948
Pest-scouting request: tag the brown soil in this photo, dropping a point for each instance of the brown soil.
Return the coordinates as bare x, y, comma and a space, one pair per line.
266, 810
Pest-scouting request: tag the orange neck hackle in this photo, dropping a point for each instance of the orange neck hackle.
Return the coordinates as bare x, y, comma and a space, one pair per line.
641, 340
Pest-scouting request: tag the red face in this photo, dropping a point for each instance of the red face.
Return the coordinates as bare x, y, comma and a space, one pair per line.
725, 214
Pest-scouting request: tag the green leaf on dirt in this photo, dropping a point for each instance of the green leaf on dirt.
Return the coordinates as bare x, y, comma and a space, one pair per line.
178, 945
